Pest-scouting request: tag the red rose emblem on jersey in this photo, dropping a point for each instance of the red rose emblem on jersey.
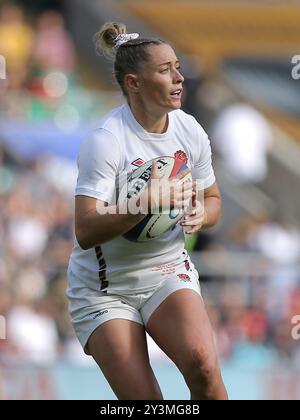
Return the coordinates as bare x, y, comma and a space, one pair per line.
181, 155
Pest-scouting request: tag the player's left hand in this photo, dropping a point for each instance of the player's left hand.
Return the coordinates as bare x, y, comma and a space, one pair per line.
193, 221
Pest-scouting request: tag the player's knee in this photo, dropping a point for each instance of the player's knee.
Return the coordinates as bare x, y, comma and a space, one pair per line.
202, 370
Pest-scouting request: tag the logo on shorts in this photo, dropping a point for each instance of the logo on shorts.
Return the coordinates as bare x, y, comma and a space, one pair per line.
100, 313
187, 265
184, 277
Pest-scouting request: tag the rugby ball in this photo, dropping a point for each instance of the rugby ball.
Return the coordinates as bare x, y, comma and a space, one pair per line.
153, 225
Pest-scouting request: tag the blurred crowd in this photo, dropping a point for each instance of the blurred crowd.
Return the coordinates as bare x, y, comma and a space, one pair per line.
42, 96
33, 46
44, 111
251, 313
252, 307
36, 238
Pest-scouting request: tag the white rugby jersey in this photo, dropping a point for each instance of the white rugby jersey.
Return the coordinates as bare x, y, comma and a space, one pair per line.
121, 144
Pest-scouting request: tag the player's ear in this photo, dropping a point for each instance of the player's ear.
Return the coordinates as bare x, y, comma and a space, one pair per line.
131, 82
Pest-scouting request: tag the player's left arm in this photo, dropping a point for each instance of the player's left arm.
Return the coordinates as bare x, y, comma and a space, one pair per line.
205, 213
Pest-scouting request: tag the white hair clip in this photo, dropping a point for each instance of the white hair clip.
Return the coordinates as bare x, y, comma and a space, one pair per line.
121, 38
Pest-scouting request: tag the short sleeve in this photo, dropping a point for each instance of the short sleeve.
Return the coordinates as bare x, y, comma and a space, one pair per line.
98, 165
203, 169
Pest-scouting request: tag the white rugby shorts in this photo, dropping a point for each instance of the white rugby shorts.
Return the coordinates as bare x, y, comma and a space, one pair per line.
89, 308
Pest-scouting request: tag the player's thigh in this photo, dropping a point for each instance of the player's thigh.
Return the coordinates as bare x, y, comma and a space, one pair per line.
181, 328
119, 347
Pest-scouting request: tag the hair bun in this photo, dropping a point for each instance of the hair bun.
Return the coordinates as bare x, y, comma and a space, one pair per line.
105, 39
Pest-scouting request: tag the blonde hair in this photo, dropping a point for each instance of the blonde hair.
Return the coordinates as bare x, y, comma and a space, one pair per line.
105, 38
128, 57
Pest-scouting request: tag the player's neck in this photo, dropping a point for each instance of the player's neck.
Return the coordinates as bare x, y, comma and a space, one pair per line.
151, 122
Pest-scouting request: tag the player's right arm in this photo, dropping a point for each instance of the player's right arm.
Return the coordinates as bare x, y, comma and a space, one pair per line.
97, 222
93, 228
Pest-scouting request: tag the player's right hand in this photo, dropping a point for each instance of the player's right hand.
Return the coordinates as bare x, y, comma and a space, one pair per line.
168, 193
